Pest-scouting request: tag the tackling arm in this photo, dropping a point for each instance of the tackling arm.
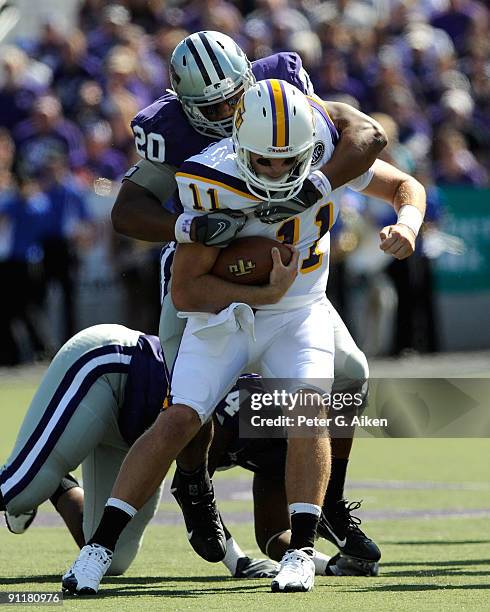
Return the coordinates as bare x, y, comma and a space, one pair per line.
361, 141
138, 211
194, 289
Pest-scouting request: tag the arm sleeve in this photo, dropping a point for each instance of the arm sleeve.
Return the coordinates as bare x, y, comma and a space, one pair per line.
156, 177
361, 182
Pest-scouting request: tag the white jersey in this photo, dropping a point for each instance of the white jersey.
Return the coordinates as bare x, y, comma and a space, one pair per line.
211, 181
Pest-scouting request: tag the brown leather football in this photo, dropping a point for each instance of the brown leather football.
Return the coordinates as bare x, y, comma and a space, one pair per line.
248, 261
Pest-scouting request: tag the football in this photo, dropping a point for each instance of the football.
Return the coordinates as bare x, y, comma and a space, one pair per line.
248, 261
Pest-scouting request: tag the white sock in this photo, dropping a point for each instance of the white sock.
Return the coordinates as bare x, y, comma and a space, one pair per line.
321, 561
233, 553
122, 505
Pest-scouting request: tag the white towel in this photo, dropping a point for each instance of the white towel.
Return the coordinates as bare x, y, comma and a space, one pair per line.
228, 321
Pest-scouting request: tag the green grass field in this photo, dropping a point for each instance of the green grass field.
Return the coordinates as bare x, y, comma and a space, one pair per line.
426, 502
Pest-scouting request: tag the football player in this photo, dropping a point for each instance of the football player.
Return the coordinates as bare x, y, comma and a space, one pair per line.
104, 387
265, 172
266, 459
208, 73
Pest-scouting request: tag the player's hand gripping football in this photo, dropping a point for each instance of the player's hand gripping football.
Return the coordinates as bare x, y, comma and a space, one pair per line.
282, 277
217, 228
397, 240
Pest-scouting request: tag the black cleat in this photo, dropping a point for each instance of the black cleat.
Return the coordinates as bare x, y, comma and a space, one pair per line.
342, 529
341, 565
202, 521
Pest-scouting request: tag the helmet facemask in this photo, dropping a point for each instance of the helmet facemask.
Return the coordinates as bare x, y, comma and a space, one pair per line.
221, 128
274, 190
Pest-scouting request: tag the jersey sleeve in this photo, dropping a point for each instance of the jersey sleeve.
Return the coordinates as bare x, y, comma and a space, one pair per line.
361, 182
286, 66
157, 178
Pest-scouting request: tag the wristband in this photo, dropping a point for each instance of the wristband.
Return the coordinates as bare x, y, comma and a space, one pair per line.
410, 216
182, 228
321, 182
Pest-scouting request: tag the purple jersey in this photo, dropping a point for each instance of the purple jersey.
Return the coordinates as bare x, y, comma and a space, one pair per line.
145, 390
163, 133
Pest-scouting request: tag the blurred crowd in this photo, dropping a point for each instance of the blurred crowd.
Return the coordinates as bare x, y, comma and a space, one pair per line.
421, 67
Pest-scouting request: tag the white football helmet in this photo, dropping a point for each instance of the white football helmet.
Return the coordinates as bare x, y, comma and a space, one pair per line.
274, 119
207, 68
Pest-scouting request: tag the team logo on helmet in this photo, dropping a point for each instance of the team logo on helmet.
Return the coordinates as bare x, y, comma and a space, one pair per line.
318, 152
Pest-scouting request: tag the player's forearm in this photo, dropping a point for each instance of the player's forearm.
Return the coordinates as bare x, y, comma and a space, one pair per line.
410, 191
208, 293
395, 187
361, 141
137, 213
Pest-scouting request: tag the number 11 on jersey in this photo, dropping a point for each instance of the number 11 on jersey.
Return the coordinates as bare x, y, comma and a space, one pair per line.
196, 196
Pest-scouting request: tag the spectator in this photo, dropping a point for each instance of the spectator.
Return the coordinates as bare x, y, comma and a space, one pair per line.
69, 227
54, 34
415, 324
213, 15
457, 109
90, 106
102, 159
19, 87
47, 131
122, 76
115, 18
414, 131
334, 79
74, 69
272, 14
24, 215
147, 15
456, 19
454, 162
164, 42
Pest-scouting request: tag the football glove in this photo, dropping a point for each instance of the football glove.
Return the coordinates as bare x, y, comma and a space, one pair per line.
218, 228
